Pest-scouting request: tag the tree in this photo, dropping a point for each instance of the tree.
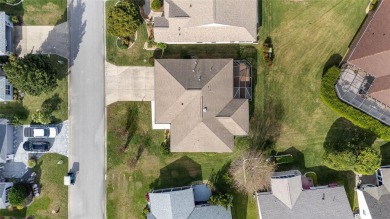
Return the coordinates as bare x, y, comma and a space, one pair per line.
224, 200
368, 161
42, 116
33, 73
340, 160
123, 19
17, 194
162, 46
251, 172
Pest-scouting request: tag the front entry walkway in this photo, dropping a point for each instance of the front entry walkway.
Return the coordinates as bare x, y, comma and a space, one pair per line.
129, 83
43, 39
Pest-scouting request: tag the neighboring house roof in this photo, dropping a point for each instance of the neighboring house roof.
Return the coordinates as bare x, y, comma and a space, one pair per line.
3, 83
371, 51
378, 197
172, 205
3, 41
196, 98
180, 204
191, 21
3, 143
289, 200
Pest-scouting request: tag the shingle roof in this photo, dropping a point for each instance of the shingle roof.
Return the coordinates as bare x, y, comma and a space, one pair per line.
3, 186
370, 51
194, 21
3, 43
3, 143
211, 212
190, 94
378, 201
172, 205
288, 201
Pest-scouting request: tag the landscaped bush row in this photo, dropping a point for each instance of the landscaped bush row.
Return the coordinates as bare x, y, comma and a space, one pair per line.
330, 98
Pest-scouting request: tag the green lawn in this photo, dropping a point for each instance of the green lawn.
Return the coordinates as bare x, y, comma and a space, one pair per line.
38, 12
305, 35
136, 55
59, 95
54, 195
136, 165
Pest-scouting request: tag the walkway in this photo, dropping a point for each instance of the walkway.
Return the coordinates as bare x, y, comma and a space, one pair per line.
129, 83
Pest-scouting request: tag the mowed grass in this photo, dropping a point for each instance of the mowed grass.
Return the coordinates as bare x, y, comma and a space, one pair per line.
129, 178
33, 103
305, 35
38, 12
136, 55
53, 193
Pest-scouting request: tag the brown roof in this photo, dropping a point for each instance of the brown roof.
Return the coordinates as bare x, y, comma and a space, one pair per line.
370, 51
196, 97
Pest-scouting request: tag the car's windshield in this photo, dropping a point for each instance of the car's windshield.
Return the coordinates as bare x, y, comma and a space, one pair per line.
46, 132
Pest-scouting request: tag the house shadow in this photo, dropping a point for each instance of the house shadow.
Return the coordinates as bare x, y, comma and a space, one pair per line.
325, 175
181, 172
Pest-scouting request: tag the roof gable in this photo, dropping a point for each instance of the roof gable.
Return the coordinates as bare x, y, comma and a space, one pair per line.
234, 115
287, 190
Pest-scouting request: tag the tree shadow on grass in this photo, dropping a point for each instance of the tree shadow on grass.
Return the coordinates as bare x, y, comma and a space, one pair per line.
265, 126
181, 172
385, 152
334, 60
221, 182
324, 174
344, 135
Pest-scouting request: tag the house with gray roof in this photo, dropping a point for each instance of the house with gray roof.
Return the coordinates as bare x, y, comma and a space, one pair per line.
6, 89
288, 199
207, 21
374, 199
189, 202
4, 188
6, 34
204, 102
6, 140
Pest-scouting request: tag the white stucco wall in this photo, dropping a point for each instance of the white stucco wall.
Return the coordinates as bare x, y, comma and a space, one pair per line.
154, 125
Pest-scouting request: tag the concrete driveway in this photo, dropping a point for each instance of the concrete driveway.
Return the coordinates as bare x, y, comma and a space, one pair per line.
44, 39
129, 83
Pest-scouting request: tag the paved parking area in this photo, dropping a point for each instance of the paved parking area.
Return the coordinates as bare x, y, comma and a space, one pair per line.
44, 39
18, 167
129, 83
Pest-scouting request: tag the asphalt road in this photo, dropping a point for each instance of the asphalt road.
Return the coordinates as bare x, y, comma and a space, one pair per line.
87, 109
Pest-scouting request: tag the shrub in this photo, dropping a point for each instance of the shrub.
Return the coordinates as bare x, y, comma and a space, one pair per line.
17, 195
123, 19
224, 200
157, 4
14, 19
31, 163
19, 207
42, 116
341, 161
330, 98
368, 162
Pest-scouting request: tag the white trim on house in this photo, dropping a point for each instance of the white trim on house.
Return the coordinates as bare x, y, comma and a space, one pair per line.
154, 124
364, 212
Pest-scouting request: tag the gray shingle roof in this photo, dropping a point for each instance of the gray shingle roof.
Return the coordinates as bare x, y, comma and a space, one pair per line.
172, 205
3, 143
3, 43
192, 21
289, 201
3, 187
211, 212
189, 95
378, 201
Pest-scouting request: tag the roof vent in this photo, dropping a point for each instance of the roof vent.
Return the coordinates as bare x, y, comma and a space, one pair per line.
323, 196
205, 109
200, 77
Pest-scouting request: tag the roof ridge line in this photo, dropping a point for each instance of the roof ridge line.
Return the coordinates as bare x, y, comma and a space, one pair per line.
373, 16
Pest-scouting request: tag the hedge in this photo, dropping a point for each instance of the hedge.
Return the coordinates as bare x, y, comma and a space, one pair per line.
357, 117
